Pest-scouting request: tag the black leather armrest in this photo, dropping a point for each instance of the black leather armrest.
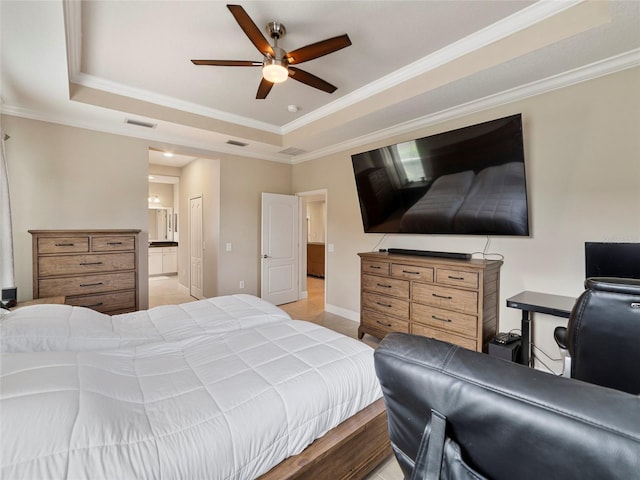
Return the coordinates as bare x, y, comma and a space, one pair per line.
560, 336
509, 420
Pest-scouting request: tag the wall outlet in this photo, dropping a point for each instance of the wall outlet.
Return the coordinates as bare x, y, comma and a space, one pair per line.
241, 283
228, 247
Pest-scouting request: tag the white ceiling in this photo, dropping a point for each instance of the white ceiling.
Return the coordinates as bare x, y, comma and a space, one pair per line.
95, 64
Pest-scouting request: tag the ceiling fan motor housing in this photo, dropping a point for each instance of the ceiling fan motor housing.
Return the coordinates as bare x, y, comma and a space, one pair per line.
280, 58
276, 30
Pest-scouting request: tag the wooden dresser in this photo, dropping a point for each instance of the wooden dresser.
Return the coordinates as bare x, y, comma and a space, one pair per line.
451, 300
97, 269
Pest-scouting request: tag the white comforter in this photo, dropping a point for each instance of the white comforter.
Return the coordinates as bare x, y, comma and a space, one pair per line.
63, 327
229, 406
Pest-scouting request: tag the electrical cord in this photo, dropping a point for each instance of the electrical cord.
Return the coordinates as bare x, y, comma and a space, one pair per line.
375, 247
486, 255
539, 359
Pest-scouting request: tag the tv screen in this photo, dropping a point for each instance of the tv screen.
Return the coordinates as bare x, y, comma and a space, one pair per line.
612, 259
469, 181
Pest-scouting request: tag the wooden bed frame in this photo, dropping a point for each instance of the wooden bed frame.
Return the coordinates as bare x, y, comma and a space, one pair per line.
348, 452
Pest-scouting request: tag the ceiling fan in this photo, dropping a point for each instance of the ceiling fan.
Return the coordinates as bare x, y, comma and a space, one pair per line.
276, 63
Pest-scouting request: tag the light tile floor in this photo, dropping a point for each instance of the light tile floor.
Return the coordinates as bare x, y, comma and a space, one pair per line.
165, 290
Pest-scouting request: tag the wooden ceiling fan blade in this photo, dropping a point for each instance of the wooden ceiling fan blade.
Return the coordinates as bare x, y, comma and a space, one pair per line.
318, 49
263, 89
227, 63
311, 80
250, 29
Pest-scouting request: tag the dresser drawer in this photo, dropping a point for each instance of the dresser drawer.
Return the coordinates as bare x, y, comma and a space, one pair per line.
67, 244
380, 268
383, 324
89, 263
386, 286
113, 243
445, 319
106, 302
387, 305
50, 287
425, 331
446, 297
410, 272
457, 278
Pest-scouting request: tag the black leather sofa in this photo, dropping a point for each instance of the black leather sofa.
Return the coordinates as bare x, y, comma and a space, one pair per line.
483, 417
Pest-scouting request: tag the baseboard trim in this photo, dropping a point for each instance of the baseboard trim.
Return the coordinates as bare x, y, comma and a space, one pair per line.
343, 312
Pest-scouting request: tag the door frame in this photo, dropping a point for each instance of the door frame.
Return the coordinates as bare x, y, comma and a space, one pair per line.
302, 239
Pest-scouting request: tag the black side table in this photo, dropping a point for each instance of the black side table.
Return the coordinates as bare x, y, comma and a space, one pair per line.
529, 302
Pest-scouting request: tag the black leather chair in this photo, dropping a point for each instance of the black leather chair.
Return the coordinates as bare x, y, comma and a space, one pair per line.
458, 414
603, 334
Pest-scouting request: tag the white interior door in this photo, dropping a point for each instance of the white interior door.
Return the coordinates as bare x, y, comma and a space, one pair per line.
279, 248
196, 247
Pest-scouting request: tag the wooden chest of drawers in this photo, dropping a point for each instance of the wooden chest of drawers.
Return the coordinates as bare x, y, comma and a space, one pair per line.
97, 269
451, 300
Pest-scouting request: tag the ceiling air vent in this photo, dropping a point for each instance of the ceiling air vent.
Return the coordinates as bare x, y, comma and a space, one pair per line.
140, 123
237, 143
292, 151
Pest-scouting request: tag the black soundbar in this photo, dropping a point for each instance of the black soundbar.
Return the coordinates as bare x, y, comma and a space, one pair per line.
428, 253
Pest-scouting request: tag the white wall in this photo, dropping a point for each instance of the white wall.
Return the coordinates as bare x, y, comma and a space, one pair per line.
582, 150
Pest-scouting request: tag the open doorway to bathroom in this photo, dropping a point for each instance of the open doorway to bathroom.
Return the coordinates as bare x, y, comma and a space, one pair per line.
313, 265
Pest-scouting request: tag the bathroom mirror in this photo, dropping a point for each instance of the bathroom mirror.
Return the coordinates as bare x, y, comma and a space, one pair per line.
161, 224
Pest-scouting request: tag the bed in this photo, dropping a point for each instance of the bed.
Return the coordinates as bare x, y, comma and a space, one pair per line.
64, 327
275, 399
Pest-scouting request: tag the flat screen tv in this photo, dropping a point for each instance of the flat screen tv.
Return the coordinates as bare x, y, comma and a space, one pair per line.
612, 259
469, 181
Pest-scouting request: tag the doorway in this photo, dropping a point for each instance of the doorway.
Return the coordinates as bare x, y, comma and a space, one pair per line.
313, 234
195, 246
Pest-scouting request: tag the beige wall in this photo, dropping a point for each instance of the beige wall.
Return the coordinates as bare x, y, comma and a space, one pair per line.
582, 149
164, 191
201, 177
244, 179
69, 178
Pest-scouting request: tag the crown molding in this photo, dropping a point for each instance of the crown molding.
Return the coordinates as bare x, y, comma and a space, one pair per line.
73, 31
505, 27
150, 134
595, 70
97, 83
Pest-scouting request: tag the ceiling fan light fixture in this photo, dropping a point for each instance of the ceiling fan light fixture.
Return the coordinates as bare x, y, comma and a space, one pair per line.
275, 72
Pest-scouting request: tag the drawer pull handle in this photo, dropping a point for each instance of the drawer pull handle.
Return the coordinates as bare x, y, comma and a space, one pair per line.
65, 244
384, 304
455, 278
383, 285
375, 267
84, 264
448, 320
114, 243
91, 284
99, 304
441, 296
383, 324
410, 273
